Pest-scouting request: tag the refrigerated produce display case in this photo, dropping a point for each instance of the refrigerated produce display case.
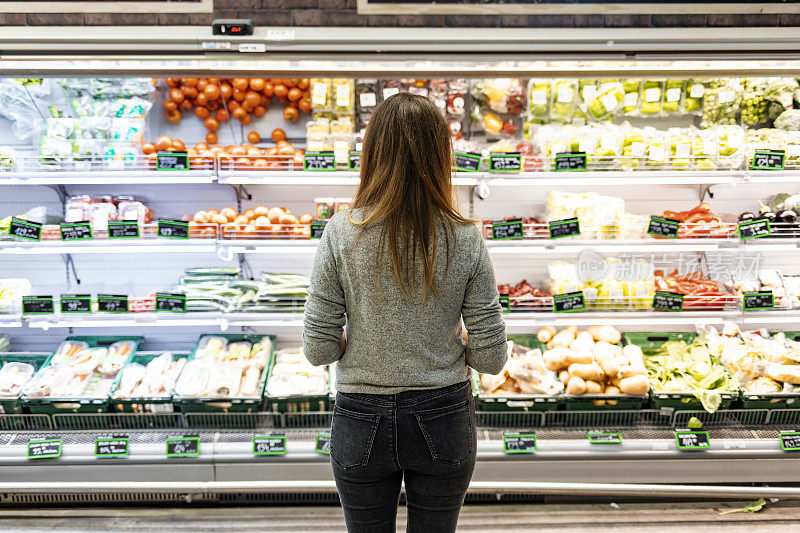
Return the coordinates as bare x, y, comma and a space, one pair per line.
161, 211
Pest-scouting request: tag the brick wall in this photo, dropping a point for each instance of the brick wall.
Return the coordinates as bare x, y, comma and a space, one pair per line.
343, 13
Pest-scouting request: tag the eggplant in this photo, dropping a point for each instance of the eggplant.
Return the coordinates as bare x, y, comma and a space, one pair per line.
769, 215
787, 215
747, 215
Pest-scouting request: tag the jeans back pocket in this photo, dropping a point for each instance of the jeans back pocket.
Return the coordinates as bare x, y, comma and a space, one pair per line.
352, 435
449, 432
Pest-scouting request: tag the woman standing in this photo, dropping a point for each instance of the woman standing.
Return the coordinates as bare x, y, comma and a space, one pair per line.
401, 270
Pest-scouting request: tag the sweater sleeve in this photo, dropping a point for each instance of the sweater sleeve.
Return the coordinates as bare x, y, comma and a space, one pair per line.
324, 317
481, 311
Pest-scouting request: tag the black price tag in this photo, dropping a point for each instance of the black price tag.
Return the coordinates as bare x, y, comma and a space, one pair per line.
271, 445
663, 227
753, 301
172, 161
505, 162
25, 229
123, 230
568, 227
692, 440
76, 303
570, 161
468, 162
173, 229
507, 229
505, 302
768, 160
354, 161
598, 437
519, 443
76, 231
570, 301
319, 161
173, 303
183, 446
316, 228
112, 303
38, 305
44, 449
668, 301
111, 447
323, 444
753, 229
790, 441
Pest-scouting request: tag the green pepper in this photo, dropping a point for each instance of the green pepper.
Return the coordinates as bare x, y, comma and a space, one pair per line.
652, 92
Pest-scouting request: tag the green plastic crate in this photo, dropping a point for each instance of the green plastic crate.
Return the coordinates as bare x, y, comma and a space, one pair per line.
650, 340
299, 404
13, 404
151, 404
585, 402
51, 406
518, 402
228, 404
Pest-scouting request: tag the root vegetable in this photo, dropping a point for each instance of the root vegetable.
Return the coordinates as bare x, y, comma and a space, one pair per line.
591, 371
576, 385
563, 376
635, 358
611, 389
546, 333
609, 334
593, 387
562, 338
561, 357
583, 341
637, 385
599, 402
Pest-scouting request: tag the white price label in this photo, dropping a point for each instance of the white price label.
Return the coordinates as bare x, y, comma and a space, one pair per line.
656, 153
588, 92
697, 91
586, 146
367, 99
539, 97
726, 96
735, 140
343, 95
683, 150
608, 142
631, 99
319, 93
74, 215
792, 150
709, 147
610, 102
637, 149
564, 95
653, 94
390, 91
673, 95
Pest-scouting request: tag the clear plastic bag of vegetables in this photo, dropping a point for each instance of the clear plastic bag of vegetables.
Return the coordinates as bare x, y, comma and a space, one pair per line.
705, 149
673, 96
723, 100
634, 145
731, 146
632, 95
693, 97
607, 102
564, 100
539, 95
658, 151
652, 95
681, 143
609, 145
754, 111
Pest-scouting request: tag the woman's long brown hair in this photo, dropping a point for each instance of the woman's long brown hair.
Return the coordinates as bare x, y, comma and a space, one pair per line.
406, 164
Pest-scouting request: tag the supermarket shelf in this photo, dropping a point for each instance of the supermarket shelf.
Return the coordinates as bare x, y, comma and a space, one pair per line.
524, 247
223, 321
132, 246
10, 321
522, 322
226, 249
643, 177
277, 177
104, 177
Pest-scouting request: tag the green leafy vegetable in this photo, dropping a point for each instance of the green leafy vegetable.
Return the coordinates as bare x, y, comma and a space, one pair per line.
752, 507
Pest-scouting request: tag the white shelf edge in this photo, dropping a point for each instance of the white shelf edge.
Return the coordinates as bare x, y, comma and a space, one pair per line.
131, 177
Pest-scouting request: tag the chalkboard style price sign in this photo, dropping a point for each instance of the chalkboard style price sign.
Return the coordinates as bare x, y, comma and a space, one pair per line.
354, 161
663, 227
505, 162
692, 440
183, 446
25, 229
755, 301
76, 303
173, 303
507, 229
569, 227
44, 449
468, 162
519, 443
317, 228
323, 444
319, 161
505, 302
271, 445
111, 447
173, 229
790, 441
570, 301
77, 231
123, 230
570, 161
172, 161
112, 303
38, 305
754, 229
768, 160
668, 301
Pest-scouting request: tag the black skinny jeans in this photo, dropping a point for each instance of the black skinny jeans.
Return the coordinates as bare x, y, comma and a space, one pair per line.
427, 437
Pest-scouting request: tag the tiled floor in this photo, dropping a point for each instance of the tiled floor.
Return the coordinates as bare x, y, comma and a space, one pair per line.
506, 518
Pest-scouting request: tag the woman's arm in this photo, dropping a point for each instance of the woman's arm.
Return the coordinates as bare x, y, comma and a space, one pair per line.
324, 320
481, 311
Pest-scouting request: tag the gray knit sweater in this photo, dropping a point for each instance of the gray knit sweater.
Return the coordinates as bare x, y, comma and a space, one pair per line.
395, 344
